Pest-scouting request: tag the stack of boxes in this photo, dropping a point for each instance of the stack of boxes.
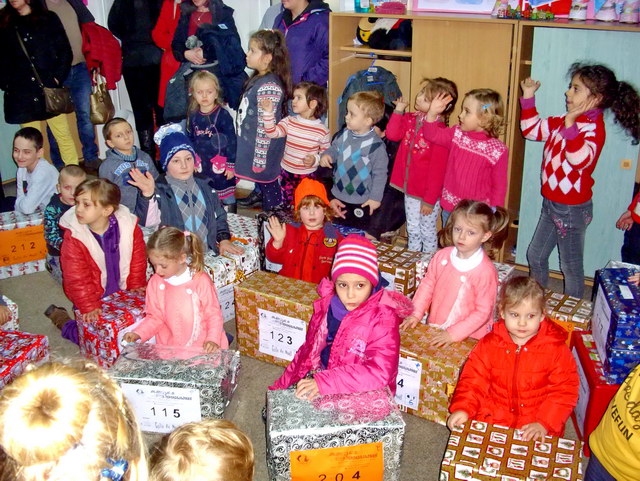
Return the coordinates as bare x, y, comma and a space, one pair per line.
22, 245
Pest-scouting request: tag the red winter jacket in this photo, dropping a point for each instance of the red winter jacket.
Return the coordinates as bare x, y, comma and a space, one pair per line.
504, 384
83, 262
306, 255
162, 35
102, 51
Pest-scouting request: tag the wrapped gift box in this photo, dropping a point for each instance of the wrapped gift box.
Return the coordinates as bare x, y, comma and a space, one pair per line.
345, 230
264, 236
482, 451
272, 313
22, 245
427, 375
248, 262
17, 351
399, 267
244, 229
99, 340
568, 312
222, 270
595, 391
13, 323
170, 386
321, 429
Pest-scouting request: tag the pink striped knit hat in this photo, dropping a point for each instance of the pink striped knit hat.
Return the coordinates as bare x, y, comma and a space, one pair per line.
356, 255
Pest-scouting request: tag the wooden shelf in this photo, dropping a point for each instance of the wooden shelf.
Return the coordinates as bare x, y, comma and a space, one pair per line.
376, 52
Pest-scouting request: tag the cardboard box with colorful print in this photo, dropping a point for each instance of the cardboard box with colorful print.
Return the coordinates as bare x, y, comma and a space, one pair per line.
243, 229
17, 351
569, 312
399, 267
22, 245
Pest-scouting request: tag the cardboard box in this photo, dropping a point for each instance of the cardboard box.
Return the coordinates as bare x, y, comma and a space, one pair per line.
17, 351
399, 267
170, 386
272, 313
243, 229
427, 375
22, 245
358, 436
13, 324
248, 262
595, 392
482, 451
568, 312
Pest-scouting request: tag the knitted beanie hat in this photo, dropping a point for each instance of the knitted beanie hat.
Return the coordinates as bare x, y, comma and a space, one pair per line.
356, 255
309, 187
172, 140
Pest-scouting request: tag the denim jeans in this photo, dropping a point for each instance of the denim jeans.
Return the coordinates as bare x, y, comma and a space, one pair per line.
565, 226
79, 82
596, 471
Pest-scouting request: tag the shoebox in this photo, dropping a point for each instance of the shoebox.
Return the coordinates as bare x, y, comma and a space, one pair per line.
595, 391
616, 322
225, 273
399, 267
248, 262
272, 313
243, 229
100, 340
17, 351
428, 375
481, 451
22, 245
353, 436
568, 312
13, 323
171, 386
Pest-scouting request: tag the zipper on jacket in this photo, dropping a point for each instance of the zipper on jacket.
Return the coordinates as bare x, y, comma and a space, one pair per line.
304, 253
515, 407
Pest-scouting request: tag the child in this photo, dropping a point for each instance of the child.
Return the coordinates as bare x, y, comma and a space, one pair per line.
522, 374
182, 306
122, 158
478, 160
258, 156
306, 135
210, 129
102, 251
573, 143
360, 173
209, 449
419, 165
305, 250
71, 176
36, 178
352, 342
69, 421
461, 284
184, 200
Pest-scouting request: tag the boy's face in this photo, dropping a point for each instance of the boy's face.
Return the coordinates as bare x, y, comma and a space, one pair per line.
182, 165
312, 216
67, 187
88, 212
522, 320
357, 121
25, 153
353, 290
121, 137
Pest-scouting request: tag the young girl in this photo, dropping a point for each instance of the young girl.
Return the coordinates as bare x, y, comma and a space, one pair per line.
478, 160
461, 284
419, 166
352, 342
306, 135
210, 128
209, 449
572, 146
522, 374
102, 251
69, 421
258, 156
305, 250
182, 306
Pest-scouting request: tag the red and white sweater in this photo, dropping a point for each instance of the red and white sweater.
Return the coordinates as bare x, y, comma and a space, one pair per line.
570, 154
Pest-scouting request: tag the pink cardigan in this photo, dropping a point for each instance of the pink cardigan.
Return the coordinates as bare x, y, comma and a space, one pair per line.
465, 299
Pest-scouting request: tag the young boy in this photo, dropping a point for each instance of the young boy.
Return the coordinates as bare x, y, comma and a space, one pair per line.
36, 178
361, 161
123, 157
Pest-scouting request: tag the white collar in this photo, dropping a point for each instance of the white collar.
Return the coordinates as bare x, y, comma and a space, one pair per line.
180, 279
466, 265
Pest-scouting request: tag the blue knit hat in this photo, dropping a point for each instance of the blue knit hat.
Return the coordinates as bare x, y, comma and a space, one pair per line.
172, 140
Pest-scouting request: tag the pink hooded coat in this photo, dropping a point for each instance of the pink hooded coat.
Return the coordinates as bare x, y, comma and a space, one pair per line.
364, 355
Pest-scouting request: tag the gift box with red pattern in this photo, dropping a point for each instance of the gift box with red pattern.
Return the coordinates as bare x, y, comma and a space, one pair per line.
17, 351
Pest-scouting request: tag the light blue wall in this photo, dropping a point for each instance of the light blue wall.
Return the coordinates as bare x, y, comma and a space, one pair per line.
555, 49
7, 166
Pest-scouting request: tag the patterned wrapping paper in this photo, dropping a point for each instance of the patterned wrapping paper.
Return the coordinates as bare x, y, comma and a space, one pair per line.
399, 267
264, 236
17, 351
222, 270
482, 451
346, 230
619, 264
13, 324
270, 292
330, 422
244, 229
248, 262
440, 369
99, 340
12, 221
568, 312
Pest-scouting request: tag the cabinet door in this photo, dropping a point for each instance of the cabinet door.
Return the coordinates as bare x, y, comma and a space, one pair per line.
554, 50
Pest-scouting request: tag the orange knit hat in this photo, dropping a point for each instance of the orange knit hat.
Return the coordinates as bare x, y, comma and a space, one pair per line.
309, 187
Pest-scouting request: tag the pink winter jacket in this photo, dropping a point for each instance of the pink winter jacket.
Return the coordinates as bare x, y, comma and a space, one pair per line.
364, 355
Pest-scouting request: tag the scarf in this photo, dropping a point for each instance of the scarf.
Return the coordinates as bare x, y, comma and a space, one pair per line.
335, 314
191, 203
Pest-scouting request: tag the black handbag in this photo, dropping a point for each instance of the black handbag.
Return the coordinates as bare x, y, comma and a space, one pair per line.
57, 99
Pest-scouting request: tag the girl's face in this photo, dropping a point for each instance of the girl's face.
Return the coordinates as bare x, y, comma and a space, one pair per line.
353, 290
422, 102
167, 267
201, 4
522, 320
257, 59
21, 6
469, 116
300, 105
206, 94
468, 237
181, 166
312, 216
89, 212
577, 94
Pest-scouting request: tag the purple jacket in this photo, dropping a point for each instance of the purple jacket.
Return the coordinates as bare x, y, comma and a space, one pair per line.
308, 42
365, 351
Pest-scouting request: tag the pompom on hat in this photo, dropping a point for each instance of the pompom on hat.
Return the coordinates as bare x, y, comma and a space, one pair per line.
356, 255
309, 187
171, 140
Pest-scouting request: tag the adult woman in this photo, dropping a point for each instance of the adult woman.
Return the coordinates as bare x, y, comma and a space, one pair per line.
45, 40
162, 35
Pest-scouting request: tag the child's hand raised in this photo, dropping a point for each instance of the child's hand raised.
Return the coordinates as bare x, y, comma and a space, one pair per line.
309, 161
210, 347
307, 389
457, 419
533, 431
438, 105
226, 246
372, 204
92, 316
131, 337
625, 221
441, 338
277, 230
144, 182
339, 209
529, 87
409, 323
326, 161
266, 105
401, 104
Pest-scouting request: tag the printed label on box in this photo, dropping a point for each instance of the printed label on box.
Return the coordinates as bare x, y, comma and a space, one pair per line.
364, 462
625, 292
600, 322
22, 245
161, 409
583, 394
226, 299
408, 382
280, 335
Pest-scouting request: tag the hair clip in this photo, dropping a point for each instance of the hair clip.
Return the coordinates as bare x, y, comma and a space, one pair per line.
116, 471
186, 233
486, 106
